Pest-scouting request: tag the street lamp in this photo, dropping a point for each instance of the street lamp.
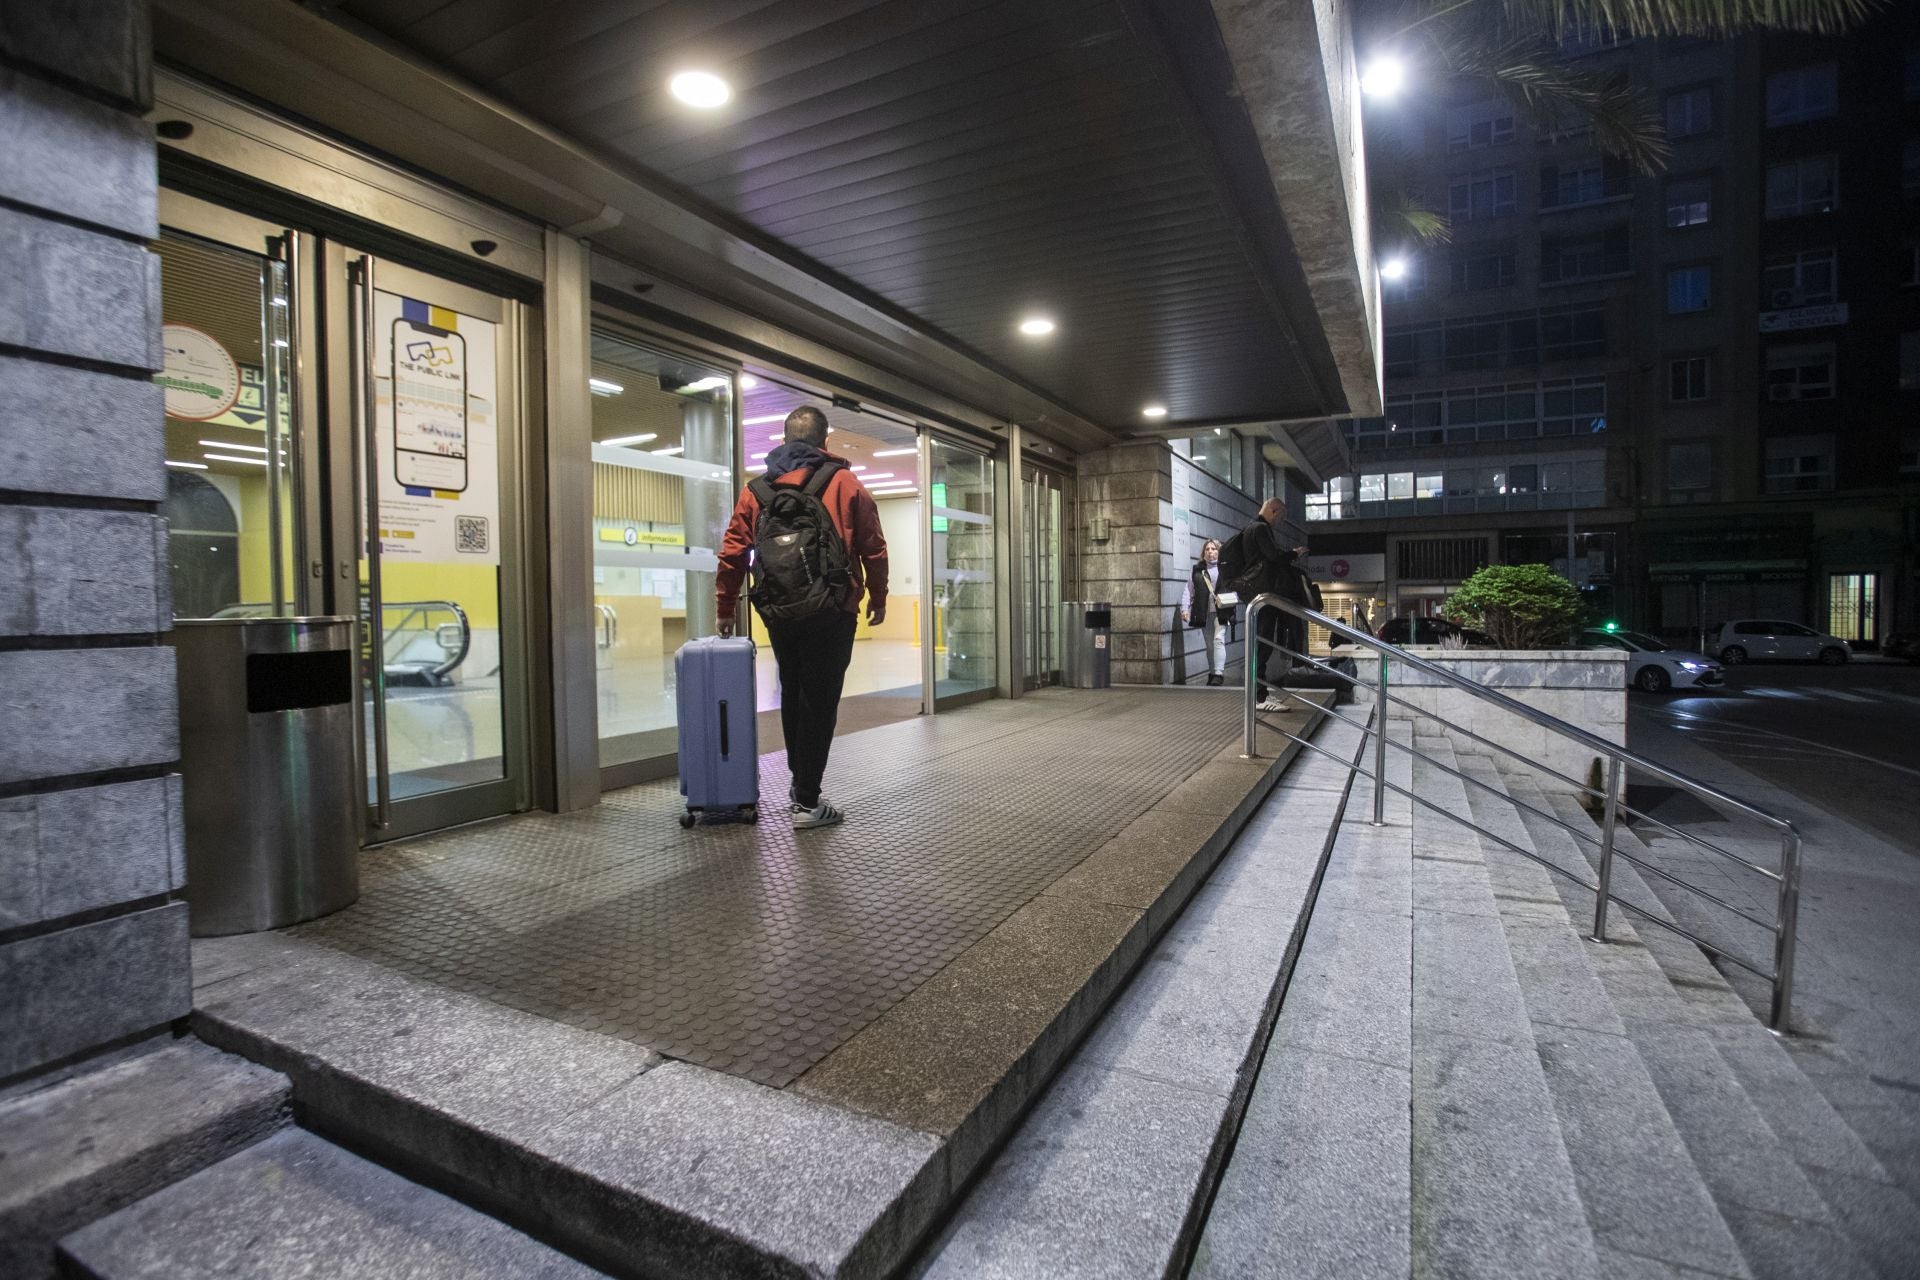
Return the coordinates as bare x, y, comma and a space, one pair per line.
1383, 77
1394, 268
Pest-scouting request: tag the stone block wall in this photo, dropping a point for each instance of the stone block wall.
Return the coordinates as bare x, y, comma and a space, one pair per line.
93, 928
1586, 688
1143, 565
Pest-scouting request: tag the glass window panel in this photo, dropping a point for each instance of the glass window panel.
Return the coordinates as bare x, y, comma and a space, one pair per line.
961, 523
662, 494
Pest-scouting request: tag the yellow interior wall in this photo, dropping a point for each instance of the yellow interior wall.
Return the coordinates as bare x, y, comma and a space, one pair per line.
474, 587
256, 574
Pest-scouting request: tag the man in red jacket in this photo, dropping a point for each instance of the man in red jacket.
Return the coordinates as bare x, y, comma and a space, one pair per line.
811, 652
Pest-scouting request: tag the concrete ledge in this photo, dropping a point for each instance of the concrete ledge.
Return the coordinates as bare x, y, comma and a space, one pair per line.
90, 1145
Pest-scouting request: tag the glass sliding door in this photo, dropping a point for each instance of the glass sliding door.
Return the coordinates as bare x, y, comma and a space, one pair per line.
884, 454
434, 436
663, 442
1041, 500
960, 522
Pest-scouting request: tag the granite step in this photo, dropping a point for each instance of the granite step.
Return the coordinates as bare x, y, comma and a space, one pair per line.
1494, 1189
297, 1205
1110, 1172
1777, 1216
1801, 1085
1650, 1209
92, 1144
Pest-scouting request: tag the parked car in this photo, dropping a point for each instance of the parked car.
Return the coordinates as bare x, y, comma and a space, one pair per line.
1901, 645
1772, 640
1655, 666
1414, 629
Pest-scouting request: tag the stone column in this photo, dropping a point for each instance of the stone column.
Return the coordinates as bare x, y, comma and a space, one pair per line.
1127, 493
94, 930
706, 435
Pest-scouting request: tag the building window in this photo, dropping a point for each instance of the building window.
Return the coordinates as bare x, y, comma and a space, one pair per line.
1689, 202
1428, 485
1802, 279
1800, 464
1801, 186
1689, 112
1502, 340
1910, 361
1689, 289
1910, 168
1333, 502
1689, 471
1564, 407
1399, 485
1487, 193
1413, 279
1562, 186
1476, 269
1689, 378
1800, 373
1373, 489
1568, 258
1808, 93
1479, 125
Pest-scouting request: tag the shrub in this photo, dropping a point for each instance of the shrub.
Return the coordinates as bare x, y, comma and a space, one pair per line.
1521, 606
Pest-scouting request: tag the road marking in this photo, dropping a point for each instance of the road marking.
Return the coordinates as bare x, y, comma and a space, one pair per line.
1844, 696
1902, 697
1773, 693
1821, 746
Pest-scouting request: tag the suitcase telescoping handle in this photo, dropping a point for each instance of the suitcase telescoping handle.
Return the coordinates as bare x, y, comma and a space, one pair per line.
724, 750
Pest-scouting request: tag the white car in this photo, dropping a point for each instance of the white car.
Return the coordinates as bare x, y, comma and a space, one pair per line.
1769, 639
1653, 666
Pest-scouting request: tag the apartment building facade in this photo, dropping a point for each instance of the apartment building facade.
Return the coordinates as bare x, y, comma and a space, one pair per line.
1695, 391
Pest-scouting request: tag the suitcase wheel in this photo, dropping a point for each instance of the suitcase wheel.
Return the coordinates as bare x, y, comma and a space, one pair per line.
687, 819
750, 813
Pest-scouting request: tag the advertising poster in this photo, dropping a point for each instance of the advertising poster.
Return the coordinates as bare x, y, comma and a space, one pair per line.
436, 396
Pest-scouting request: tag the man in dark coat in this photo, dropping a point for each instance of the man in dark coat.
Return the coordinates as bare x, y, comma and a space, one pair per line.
1282, 572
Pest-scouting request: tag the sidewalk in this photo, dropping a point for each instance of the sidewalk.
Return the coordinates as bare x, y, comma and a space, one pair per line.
735, 1048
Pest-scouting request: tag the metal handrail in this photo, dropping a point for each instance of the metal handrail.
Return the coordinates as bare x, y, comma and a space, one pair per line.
1784, 926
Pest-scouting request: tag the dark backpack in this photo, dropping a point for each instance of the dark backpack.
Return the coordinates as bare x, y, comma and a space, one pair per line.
1236, 574
800, 562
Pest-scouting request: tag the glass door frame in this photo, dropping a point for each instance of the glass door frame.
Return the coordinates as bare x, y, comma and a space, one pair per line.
349, 534
1044, 614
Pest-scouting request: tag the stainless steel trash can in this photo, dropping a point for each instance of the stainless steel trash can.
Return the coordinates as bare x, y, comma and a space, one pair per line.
267, 718
1086, 657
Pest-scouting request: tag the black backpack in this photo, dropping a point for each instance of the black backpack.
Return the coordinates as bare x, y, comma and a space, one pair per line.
1236, 574
800, 563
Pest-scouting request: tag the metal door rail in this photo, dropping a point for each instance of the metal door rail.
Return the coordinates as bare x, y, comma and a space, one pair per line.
1783, 926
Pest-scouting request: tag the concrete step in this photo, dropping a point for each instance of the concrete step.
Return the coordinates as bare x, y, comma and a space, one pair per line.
297, 1205
89, 1145
1494, 1190
1774, 1211
1108, 1174
1796, 1082
1649, 1207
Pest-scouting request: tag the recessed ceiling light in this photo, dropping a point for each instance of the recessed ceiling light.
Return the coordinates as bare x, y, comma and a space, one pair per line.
601, 387
229, 457
1154, 411
667, 452
642, 438
893, 453
763, 419
701, 89
878, 475
1036, 326
238, 448
748, 382
187, 466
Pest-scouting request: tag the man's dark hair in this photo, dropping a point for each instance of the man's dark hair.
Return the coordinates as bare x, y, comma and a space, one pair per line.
808, 426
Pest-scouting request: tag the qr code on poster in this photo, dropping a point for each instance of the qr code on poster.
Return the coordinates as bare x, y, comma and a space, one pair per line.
470, 534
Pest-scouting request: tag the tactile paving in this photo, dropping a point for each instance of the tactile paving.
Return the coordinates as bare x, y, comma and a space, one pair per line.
757, 950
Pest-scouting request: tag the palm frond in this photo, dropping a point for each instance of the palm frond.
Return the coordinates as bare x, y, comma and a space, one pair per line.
1554, 94
1709, 18
1400, 215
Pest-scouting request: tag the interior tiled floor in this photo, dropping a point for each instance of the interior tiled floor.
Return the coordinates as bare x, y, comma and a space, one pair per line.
757, 950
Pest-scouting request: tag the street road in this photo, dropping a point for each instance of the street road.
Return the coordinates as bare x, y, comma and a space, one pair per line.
1837, 751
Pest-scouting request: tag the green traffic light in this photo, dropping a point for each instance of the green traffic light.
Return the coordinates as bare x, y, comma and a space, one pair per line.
1613, 626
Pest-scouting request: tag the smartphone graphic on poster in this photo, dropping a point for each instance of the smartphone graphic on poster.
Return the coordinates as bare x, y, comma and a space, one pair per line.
429, 407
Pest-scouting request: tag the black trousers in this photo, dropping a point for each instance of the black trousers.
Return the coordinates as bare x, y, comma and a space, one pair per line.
1277, 629
812, 655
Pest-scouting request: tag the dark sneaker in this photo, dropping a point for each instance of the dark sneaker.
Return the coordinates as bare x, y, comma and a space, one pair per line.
822, 815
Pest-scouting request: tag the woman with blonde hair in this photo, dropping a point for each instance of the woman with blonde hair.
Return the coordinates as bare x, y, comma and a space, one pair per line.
1201, 606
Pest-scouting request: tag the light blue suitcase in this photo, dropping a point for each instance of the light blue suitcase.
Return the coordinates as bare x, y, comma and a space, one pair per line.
719, 736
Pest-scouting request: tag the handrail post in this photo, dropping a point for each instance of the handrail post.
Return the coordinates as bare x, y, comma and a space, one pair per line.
1380, 745
1788, 922
1251, 750
1607, 826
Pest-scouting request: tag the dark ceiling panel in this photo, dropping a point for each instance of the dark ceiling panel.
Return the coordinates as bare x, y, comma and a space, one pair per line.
962, 161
